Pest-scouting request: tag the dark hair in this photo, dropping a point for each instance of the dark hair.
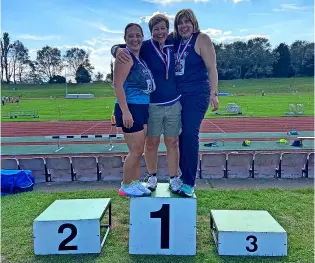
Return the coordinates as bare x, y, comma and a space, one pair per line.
157, 19
130, 25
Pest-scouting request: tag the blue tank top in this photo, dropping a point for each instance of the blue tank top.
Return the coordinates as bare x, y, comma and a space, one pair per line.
191, 72
166, 90
139, 83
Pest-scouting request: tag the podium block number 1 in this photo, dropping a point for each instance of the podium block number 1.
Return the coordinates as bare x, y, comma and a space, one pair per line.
164, 215
163, 224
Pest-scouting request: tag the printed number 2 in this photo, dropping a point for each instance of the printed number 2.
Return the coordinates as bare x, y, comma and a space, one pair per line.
254, 243
63, 244
164, 214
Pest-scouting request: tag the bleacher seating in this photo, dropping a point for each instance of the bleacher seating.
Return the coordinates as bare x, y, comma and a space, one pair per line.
310, 166
9, 164
212, 165
110, 167
59, 169
266, 165
37, 166
292, 165
239, 165
85, 168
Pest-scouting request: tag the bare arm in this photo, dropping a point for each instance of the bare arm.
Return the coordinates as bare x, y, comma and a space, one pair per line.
121, 72
206, 50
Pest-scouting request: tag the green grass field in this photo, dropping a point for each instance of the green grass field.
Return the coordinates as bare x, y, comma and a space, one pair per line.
249, 86
293, 209
102, 108
51, 104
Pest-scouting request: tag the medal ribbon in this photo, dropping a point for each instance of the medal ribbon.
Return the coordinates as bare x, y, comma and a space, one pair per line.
180, 55
143, 64
160, 54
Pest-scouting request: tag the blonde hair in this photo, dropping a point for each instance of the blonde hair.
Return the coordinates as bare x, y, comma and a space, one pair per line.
189, 14
157, 19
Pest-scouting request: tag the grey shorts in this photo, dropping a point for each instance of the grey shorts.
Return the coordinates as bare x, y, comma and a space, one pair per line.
165, 120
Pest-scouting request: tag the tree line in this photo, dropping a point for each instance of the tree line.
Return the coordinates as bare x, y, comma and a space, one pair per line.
256, 59
238, 60
48, 67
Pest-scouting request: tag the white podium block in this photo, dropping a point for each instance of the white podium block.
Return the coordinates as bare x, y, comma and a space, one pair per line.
163, 224
71, 227
247, 233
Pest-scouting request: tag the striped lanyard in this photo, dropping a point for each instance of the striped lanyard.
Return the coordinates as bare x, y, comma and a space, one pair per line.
166, 61
180, 54
141, 62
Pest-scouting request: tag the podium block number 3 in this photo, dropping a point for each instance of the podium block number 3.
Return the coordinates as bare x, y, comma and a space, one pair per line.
164, 215
73, 234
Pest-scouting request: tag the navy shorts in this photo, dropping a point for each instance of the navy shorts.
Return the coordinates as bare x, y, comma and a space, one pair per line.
140, 115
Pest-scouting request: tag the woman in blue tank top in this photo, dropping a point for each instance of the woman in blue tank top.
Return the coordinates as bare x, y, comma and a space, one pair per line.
133, 83
195, 69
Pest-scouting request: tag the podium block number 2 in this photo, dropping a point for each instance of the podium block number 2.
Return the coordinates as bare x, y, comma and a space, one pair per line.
73, 234
164, 215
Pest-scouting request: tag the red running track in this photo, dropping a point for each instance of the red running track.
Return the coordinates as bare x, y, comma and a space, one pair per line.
280, 124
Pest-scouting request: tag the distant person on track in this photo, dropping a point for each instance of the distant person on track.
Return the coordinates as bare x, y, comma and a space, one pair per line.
133, 82
197, 81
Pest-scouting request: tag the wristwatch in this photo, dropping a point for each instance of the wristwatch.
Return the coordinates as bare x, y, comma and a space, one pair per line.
114, 50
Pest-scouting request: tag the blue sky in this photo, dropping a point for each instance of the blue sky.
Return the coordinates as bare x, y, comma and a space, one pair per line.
96, 25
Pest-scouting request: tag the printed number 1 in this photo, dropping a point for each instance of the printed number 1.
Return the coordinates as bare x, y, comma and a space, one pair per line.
164, 214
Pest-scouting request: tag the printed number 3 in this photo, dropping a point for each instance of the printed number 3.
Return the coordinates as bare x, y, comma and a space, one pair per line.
63, 244
254, 243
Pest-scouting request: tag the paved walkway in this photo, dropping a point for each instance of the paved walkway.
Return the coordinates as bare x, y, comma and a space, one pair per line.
233, 184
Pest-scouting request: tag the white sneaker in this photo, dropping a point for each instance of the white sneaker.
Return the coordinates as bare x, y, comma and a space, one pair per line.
151, 184
175, 184
144, 190
131, 190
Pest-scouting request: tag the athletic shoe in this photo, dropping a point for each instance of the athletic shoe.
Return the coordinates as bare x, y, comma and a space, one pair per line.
130, 190
151, 183
186, 190
175, 184
142, 188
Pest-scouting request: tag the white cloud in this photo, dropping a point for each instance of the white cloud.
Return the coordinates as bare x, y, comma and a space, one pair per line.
107, 30
259, 14
212, 31
230, 39
146, 19
38, 38
218, 35
238, 1
243, 30
166, 2
290, 7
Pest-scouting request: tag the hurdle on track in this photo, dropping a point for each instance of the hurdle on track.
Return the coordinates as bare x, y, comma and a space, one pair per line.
109, 137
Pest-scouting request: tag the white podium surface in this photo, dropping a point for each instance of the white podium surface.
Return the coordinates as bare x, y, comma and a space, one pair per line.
71, 227
247, 233
163, 224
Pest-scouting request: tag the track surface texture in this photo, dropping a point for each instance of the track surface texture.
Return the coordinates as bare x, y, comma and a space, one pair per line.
224, 125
